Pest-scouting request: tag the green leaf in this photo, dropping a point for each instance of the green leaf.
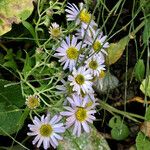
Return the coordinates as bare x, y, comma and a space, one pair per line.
146, 32
115, 50
120, 132
142, 142
27, 66
147, 114
13, 11
9, 122
145, 86
10, 64
29, 27
139, 70
115, 121
11, 94
87, 141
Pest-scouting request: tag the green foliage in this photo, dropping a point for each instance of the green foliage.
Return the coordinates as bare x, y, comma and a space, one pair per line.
145, 86
139, 70
142, 142
142, 139
147, 114
10, 60
27, 66
29, 28
146, 32
87, 141
11, 94
115, 50
10, 119
145, 5
115, 121
13, 12
120, 131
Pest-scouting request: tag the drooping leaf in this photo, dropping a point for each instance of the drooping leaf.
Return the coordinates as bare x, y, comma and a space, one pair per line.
145, 86
115, 50
9, 122
142, 142
139, 70
11, 94
108, 82
87, 141
13, 11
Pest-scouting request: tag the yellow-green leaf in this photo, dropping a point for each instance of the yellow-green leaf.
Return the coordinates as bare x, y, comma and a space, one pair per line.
145, 86
13, 11
115, 50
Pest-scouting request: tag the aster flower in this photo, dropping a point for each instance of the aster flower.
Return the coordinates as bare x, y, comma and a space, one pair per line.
95, 64
68, 52
79, 114
46, 131
32, 101
80, 16
99, 40
81, 81
55, 31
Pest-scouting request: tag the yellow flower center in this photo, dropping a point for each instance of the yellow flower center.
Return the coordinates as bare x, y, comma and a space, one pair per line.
102, 74
33, 102
85, 16
93, 65
97, 46
46, 130
80, 79
72, 53
81, 114
56, 32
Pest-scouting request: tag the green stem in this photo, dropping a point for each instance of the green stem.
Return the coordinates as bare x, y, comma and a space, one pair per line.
125, 114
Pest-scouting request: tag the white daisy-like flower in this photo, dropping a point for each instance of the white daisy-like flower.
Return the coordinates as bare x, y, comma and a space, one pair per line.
99, 40
55, 30
81, 81
95, 64
46, 131
79, 114
80, 16
68, 52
